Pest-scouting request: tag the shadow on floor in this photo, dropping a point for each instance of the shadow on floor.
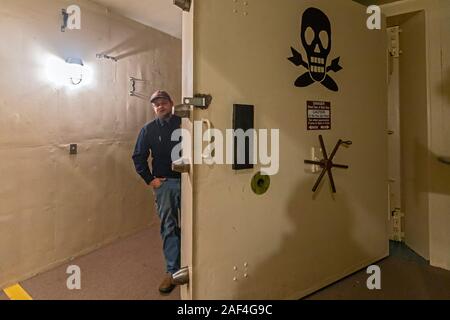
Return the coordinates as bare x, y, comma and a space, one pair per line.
404, 275
129, 269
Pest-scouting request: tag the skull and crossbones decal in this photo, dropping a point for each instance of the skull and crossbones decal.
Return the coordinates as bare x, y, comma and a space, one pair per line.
316, 39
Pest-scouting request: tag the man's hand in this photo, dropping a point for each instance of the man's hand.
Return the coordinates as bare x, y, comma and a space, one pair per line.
156, 183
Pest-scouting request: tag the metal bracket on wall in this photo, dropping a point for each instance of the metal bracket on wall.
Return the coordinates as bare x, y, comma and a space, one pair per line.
185, 5
104, 56
133, 93
327, 163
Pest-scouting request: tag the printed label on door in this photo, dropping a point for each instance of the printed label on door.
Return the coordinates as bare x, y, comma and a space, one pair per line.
319, 115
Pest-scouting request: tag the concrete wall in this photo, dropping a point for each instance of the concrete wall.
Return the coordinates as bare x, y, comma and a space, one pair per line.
54, 206
289, 241
437, 19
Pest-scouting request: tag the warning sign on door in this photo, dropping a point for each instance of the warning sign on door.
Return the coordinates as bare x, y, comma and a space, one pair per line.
319, 115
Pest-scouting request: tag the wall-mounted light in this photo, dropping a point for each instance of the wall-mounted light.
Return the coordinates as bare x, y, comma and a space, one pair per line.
71, 73
75, 70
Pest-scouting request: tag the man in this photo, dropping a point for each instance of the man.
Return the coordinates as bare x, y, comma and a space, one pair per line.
156, 137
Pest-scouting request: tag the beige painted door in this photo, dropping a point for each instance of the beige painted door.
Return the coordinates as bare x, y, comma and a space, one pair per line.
288, 242
187, 207
414, 123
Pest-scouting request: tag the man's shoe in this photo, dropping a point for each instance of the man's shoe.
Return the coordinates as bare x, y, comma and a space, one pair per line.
167, 285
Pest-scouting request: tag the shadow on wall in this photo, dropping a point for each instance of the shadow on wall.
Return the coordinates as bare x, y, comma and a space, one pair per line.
310, 251
134, 45
439, 175
439, 169
417, 175
439, 172
444, 88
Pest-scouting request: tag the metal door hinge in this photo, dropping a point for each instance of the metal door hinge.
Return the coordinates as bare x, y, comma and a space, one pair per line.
397, 228
202, 101
181, 166
394, 41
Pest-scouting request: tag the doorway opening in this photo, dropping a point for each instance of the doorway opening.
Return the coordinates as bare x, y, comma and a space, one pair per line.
408, 131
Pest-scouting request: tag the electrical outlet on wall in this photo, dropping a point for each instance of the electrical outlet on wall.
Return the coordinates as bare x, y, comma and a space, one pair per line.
73, 149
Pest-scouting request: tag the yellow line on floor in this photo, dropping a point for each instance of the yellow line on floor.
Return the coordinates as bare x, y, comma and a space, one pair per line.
16, 292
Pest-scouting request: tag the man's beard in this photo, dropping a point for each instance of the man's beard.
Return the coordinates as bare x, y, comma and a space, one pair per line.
165, 116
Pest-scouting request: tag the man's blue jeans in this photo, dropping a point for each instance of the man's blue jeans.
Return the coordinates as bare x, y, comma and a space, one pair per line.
168, 199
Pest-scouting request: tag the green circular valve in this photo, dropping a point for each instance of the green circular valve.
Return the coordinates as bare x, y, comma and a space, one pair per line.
260, 183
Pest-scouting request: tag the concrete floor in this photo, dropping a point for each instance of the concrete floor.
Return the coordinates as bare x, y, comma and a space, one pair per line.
404, 276
131, 269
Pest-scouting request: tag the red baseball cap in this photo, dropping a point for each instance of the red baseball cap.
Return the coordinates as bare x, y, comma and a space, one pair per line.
160, 95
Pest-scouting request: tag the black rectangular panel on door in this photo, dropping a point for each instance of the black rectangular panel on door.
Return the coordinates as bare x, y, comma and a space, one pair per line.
243, 119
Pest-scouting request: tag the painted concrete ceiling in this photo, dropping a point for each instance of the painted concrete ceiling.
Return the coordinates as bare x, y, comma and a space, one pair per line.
159, 14
163, 14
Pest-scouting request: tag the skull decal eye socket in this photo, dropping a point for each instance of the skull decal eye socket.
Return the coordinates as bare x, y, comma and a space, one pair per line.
310, 35
325, 39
